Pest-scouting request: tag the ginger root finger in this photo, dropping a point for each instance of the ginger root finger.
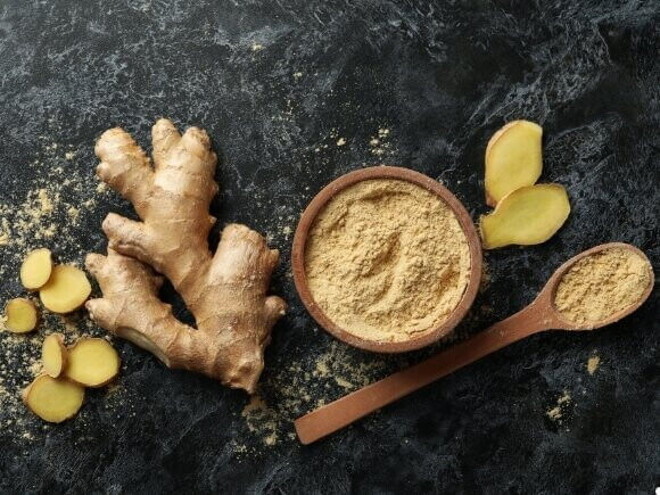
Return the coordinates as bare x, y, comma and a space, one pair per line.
36, 269
54, 355
143, 318
125, 166
527, 216
53, 399
164, 136
92, 362
21, 315
66, 290
513, 159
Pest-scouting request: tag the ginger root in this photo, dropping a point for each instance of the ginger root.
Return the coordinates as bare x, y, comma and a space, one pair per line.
54, 355
92, 362
529, 215
36, 269
66, 290
513, 159
226, 291
53, 399
21, 315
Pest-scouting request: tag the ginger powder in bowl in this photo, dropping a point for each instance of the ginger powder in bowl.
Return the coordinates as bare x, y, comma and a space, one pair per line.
387, 260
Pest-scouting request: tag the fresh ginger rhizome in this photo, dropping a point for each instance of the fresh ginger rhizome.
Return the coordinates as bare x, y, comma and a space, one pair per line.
225, 291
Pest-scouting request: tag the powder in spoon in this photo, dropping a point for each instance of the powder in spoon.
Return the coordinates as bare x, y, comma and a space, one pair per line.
602, 284
387, 260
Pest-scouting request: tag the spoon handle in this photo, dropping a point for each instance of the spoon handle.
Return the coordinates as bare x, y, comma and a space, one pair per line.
344, 411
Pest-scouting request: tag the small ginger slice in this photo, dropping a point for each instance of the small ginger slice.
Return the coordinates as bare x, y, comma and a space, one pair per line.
513, 159
36, 269
54, 355
21, 315
92, 362
53, 399
67, 289
529, 215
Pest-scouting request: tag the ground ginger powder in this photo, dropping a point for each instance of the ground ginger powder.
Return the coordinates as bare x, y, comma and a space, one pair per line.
387, 260
602, 284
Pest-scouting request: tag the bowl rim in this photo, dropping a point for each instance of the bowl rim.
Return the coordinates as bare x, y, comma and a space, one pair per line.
396, 173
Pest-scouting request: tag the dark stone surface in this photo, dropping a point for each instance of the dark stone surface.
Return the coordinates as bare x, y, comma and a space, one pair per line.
274, 83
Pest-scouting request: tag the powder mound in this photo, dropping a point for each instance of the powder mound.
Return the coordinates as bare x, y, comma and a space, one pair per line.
387, 260
601, 285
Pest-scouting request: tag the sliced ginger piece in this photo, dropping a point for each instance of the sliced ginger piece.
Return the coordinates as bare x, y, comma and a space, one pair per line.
21, 315
36, 269
53, 399
54, 355
529, 215
513, 159
92, 362
67, 289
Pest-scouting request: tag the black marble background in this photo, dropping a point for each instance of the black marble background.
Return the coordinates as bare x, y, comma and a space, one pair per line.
277, 84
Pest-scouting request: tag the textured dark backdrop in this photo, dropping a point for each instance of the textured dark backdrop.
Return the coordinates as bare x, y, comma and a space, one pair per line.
277, 85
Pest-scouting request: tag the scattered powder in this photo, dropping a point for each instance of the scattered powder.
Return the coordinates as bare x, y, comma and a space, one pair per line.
271, 439
387, 260
35, 368
46, 205
58, 199
558, 411
344, 383
294, 389
593, 363
603, 284
379, 143
260, 418
322, 368
73, 213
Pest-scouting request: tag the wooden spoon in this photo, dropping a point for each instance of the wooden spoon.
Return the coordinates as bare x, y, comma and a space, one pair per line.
540, 315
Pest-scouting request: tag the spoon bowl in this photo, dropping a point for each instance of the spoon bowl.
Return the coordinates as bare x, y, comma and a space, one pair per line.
548, 317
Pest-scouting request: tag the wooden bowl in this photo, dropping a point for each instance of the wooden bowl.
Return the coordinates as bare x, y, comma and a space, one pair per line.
385, 172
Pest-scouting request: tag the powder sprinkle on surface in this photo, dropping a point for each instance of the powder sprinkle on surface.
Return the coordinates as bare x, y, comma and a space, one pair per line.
601, 285
593, 363
557, 412
387, 260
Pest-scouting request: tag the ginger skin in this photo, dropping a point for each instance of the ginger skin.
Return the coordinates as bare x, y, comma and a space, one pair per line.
225, 291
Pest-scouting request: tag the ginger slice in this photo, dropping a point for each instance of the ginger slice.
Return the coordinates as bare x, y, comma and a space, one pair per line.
67, 289
54, 355
21, 315
513, 159
53, 399
36, 269
529, 215
92, 362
